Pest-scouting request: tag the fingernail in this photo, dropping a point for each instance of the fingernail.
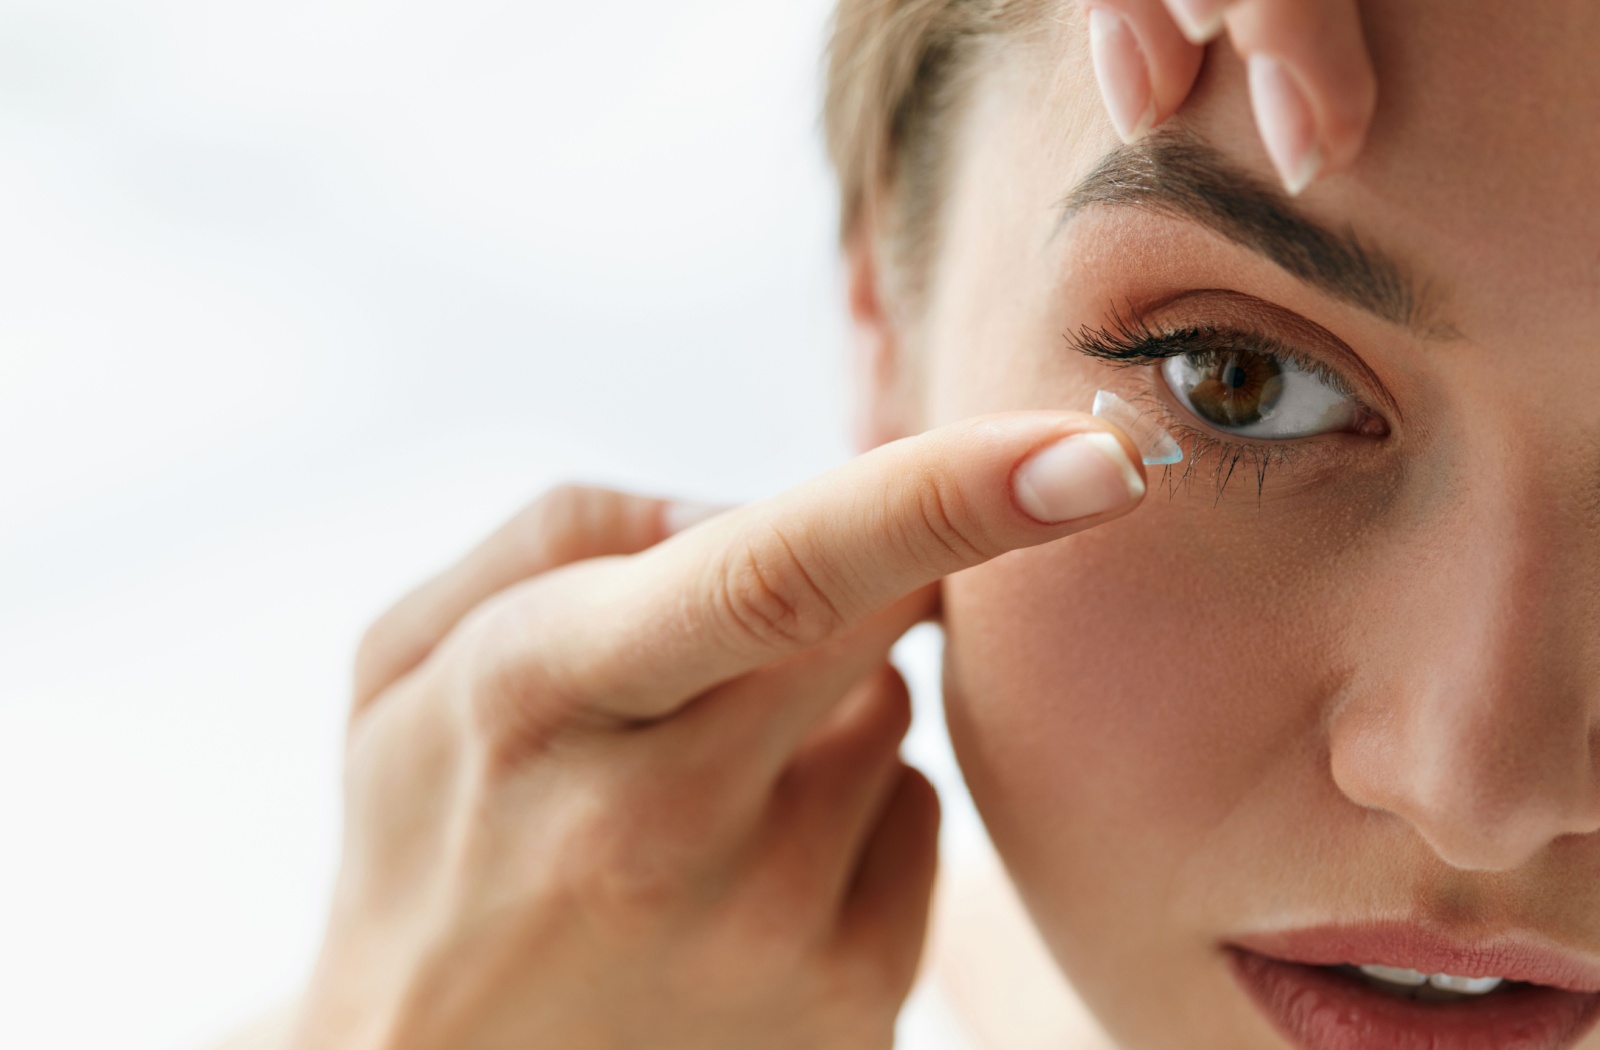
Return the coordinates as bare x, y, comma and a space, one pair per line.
1078, 476
1122, 73
683, 514
1199, 20
1288, 127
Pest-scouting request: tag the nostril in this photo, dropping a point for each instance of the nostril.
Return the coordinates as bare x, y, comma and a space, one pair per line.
1476, 807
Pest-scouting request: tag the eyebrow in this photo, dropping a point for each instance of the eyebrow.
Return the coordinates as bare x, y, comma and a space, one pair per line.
1174, 173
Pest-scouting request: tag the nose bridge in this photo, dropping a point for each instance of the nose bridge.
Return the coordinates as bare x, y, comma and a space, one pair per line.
1474, 714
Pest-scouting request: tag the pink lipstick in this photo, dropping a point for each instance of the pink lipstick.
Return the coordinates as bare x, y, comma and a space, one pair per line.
1311, 986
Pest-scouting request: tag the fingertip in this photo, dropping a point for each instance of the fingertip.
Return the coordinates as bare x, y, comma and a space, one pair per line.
916, 814
923, 799
1144, 64
1312, 83
927, 603
893, 886
1349, 121
1286, 119
877, 710
1082, 475
1123, 73
883, 927
1200, 21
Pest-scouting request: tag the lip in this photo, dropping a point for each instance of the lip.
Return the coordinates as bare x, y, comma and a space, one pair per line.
1555, 1002
1515, 957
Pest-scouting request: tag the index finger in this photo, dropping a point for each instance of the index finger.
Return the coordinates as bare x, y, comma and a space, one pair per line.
637, 637
1311, 79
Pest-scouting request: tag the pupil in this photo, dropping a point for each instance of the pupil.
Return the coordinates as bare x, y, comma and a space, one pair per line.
1236, 377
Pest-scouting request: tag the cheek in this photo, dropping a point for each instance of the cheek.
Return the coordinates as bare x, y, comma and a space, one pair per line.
1113, 698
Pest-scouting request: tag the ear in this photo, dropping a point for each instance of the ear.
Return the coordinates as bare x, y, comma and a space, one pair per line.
884, 410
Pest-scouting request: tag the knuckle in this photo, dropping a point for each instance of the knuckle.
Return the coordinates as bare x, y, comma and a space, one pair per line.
563, 503
372, 652
791, 885
924, 797
872, 981
731, 965
765, 593
607, 874
632, 858
685, 811
776, 932
897, 702
561, 512
513, 707
776, 913
946, 531
884, 719
389, 647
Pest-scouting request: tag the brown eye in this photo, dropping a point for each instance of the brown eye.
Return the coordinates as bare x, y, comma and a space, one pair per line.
1259, 394
1234, 388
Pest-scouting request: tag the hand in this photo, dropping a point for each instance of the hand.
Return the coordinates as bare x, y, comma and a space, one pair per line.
1311, 79
611, 789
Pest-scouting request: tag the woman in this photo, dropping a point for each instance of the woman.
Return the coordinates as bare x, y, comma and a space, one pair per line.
1290, 744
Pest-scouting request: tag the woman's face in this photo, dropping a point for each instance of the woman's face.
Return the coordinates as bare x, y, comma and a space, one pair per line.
1318, 679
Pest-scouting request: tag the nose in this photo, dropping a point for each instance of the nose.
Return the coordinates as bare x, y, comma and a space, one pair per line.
1472, 716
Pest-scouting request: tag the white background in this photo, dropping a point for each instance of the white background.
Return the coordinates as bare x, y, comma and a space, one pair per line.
297, 299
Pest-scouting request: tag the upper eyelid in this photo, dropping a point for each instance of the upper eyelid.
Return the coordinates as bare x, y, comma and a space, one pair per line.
1306, 362
1137, 344
1130, 344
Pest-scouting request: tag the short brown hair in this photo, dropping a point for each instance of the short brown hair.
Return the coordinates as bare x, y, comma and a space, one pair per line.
897, 71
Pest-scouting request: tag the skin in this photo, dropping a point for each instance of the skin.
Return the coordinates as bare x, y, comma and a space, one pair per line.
1313, 119
612, 782
1369, 690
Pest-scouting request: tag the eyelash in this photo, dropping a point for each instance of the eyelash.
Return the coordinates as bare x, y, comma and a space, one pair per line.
1128, 342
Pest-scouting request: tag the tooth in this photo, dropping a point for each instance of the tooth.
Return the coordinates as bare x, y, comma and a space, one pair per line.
1396, 975
1466, 985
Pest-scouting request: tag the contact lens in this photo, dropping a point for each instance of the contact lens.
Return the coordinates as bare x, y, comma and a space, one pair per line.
1155, 444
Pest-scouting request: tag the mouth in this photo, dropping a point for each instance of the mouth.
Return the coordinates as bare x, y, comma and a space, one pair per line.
1401, 988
